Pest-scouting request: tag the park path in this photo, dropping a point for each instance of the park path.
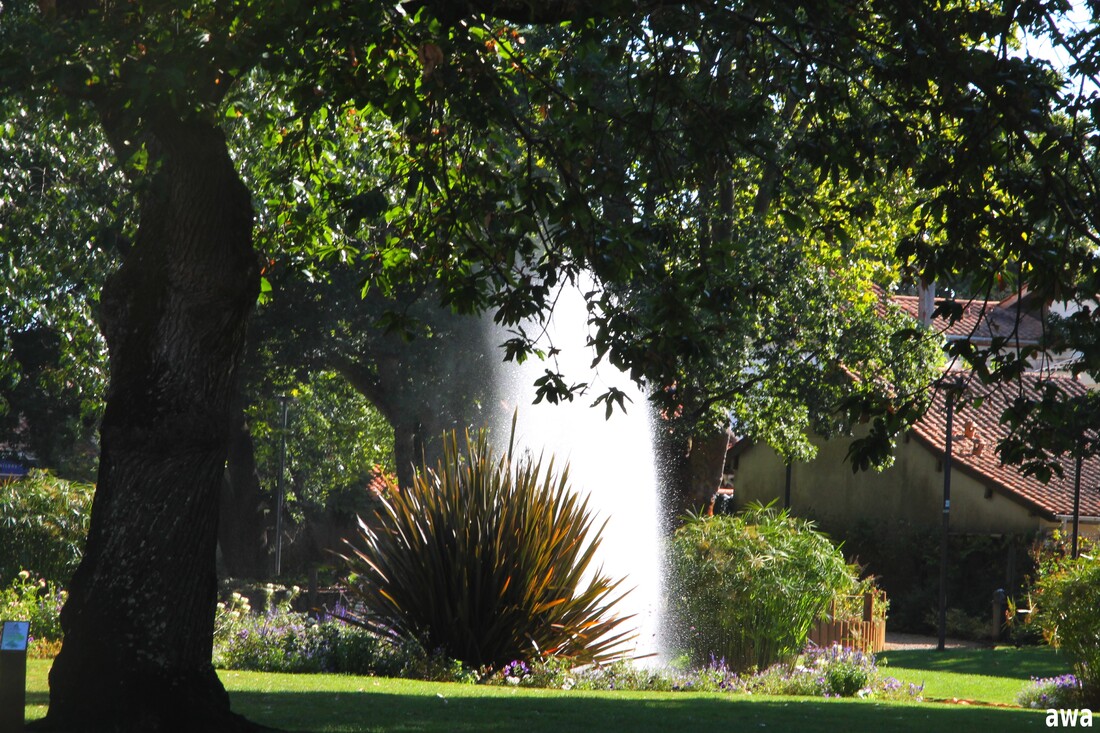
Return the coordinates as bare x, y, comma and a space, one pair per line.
895, 640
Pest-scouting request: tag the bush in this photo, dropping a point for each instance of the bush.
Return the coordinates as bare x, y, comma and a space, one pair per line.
848, 605
830, 672
36, 600
1066, 605
484, 558
43, 525
748, 588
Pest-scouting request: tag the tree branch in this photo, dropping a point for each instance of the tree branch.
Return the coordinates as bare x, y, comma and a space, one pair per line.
540, 12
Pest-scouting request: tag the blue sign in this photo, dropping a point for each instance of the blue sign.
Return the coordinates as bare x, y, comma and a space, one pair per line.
15, 636
13, 468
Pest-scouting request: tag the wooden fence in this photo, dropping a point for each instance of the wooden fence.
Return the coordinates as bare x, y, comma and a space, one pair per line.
867, 634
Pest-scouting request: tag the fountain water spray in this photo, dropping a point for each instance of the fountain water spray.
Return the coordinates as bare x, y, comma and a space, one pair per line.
612, 460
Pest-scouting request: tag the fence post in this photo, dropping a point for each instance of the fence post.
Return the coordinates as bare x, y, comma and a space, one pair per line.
13, 675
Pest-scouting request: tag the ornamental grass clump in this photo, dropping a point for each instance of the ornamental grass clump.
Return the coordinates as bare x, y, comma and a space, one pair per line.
748, 588
43, 525
486, 559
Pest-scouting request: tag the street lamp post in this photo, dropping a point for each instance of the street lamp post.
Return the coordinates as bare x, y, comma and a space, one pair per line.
280, 493
1076, 503
951, 390
787, 489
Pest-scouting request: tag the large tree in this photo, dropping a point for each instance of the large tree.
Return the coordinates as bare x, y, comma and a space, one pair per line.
517, 162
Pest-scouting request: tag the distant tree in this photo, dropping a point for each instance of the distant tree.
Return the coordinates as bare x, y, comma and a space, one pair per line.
338, 444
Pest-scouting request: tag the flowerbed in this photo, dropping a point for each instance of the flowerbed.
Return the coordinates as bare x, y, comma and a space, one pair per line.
38, 601
280, 640
829, 672
1044, 693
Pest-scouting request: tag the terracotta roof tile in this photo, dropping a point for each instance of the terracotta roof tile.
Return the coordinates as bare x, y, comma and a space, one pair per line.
986, 319
1054, 498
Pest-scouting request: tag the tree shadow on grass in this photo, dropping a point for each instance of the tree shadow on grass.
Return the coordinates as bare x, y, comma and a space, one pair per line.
1022, 663
38, 697
371, 712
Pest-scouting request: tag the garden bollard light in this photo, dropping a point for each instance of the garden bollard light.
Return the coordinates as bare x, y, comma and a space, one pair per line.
999, 599
13, 675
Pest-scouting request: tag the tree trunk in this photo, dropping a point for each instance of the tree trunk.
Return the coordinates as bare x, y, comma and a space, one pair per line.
242, 527
139, 621
689, 468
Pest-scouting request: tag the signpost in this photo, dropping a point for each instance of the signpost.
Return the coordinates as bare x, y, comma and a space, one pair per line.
13, 675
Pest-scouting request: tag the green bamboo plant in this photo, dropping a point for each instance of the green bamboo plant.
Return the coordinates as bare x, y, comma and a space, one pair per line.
485, 559
748, 588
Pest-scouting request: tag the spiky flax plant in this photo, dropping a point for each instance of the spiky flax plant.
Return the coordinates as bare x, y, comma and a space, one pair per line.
485, 558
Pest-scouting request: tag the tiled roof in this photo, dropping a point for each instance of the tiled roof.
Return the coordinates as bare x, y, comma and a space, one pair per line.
1052, 499
1013, 318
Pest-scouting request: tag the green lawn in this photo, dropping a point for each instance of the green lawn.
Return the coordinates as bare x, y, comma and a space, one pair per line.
345, 704
365, 706
988, 675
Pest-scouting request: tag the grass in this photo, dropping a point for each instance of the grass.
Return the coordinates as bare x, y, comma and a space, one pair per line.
367, 705
347, 704
986, 675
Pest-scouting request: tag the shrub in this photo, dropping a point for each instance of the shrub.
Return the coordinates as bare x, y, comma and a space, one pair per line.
847, 671
748, 588
43, 525
38, 601
1066, 605
848, 604
485, 558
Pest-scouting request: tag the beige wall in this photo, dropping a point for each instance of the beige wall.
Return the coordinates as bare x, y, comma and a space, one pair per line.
910, 491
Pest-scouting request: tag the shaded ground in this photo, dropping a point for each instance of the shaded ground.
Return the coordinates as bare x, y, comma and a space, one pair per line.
1020, 664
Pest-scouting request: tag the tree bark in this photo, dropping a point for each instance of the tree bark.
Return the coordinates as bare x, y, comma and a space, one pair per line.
242, 524
689, 468
139, 621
